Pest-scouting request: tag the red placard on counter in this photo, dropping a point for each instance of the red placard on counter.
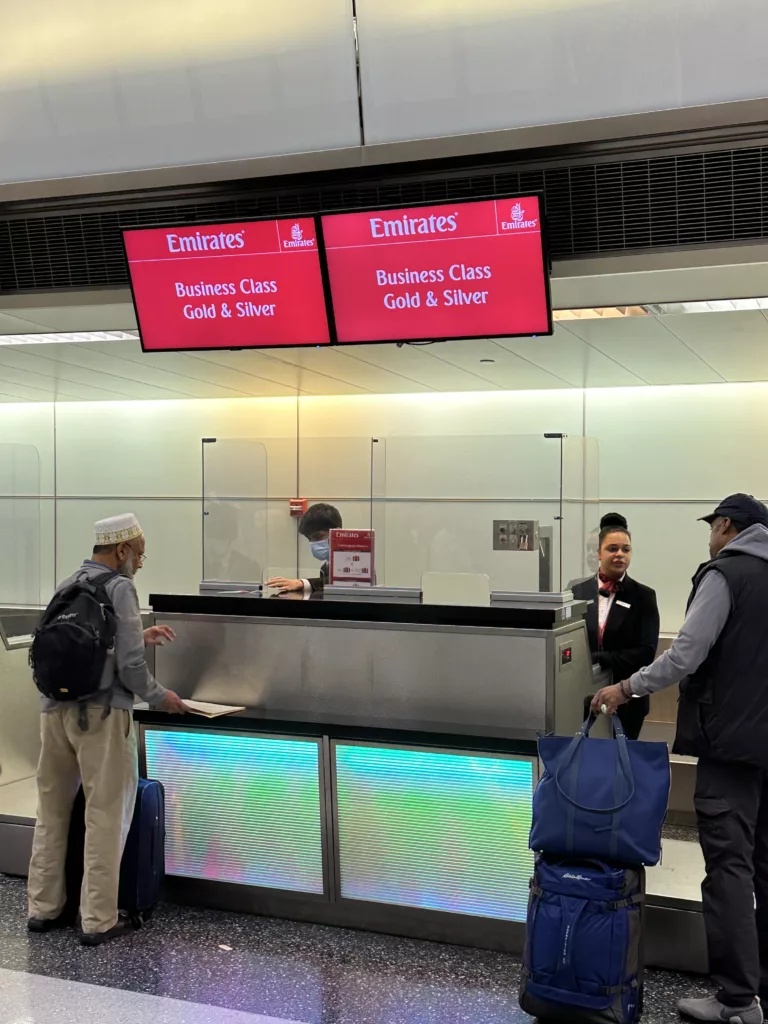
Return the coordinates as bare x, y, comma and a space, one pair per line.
255, 284
353, 557
458, 270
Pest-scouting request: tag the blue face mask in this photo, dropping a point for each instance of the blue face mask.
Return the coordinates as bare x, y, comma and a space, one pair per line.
321, 550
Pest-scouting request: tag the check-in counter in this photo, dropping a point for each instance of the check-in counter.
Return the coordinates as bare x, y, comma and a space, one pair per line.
383, 771
381, 775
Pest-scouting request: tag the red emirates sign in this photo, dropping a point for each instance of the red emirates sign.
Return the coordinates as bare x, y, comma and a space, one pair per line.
256, 284
459, 270
353, 558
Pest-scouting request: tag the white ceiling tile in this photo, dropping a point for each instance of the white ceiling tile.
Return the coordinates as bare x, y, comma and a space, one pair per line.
179, 373
644, 346
300, 379
49, 387
567, 356
12, 324
735, 344
507, 370
43, 361
118, 316
348, 370
419, 363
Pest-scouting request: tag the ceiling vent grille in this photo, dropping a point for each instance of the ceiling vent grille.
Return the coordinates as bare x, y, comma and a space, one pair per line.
619, 207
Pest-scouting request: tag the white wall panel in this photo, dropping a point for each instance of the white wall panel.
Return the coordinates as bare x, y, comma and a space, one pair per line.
90, 86
153, 449
666, 455
448, 67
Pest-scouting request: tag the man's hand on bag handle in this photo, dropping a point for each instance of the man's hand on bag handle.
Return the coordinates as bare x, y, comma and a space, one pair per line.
173, 704
608, 700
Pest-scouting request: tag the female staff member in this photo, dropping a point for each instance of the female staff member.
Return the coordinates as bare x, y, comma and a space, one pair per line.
623, 619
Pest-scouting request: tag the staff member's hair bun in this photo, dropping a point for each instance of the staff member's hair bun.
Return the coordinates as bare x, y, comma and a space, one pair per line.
613, 520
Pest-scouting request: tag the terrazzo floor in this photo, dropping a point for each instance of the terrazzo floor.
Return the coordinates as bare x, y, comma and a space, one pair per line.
176, 969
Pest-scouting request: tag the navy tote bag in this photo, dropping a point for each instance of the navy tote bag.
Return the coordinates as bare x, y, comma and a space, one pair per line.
603, 798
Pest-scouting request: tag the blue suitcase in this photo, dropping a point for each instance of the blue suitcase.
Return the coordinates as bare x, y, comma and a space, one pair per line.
583, 959
142, 869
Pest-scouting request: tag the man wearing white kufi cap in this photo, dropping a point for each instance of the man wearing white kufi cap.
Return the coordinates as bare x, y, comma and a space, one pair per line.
91, 738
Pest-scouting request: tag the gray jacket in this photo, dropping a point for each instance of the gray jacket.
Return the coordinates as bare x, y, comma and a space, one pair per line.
126, 675
703, 624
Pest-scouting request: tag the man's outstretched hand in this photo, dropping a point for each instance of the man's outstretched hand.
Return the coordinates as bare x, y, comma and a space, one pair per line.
156, 636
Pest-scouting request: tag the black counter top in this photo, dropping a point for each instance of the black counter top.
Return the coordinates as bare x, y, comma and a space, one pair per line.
499, 615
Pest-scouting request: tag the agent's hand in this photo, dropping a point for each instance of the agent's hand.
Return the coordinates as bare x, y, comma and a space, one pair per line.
285, 586
173, 704
611, 697
156, 636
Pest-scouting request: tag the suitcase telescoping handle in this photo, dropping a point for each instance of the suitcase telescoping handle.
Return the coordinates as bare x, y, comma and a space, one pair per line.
624, 767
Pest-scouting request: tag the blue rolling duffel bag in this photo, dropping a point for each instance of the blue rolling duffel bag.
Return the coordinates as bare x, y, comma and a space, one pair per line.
583, 959
604, 798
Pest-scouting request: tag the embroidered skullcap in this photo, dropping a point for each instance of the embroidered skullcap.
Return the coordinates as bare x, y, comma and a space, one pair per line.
117, 529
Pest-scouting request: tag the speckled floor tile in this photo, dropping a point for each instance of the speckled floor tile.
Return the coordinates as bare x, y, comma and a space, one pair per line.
30, 999
291, 971
683, 833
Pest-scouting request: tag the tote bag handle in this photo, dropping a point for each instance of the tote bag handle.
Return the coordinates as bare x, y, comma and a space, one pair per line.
624, 766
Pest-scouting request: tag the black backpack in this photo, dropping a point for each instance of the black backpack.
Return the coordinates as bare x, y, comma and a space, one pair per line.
70, 646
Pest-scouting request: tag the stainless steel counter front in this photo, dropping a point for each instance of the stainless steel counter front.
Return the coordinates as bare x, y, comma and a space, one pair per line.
466, 671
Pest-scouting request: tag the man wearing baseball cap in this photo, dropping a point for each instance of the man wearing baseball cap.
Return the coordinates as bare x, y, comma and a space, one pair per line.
720, 658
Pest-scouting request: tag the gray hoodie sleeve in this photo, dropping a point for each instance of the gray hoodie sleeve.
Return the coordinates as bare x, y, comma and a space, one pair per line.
703, 624
130, 661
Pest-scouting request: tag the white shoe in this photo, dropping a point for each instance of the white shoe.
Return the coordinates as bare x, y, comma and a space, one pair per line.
711, 1009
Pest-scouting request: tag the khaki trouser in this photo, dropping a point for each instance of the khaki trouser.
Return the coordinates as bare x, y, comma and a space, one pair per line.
105, 758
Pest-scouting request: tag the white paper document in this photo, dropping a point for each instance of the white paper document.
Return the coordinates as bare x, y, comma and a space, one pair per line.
199, 707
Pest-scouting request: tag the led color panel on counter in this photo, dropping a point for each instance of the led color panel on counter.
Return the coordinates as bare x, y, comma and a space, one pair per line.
440, 831
242, 809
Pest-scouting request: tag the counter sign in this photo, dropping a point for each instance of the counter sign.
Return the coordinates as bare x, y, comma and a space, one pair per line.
352, 558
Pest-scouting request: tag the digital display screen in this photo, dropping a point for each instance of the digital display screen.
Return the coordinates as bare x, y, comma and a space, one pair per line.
437, 830
255, 284
242, 809
458, 270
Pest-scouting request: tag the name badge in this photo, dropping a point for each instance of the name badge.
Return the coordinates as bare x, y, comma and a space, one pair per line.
623, 604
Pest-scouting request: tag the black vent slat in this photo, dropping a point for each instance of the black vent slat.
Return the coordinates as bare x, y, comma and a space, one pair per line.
605, 207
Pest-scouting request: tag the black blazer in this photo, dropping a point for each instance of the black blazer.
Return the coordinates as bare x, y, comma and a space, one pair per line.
317, 583
631, 634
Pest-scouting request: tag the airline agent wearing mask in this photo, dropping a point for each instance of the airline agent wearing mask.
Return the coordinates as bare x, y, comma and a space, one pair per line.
623, 619
316, 525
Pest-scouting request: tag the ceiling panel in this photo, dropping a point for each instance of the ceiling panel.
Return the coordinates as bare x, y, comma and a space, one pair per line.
422, 363
568, 357
175, 371
10, 323
44, 361
505, 369
644, 346
117, 316
687, 348
300, 379
347, 369
734, 344
49, 385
